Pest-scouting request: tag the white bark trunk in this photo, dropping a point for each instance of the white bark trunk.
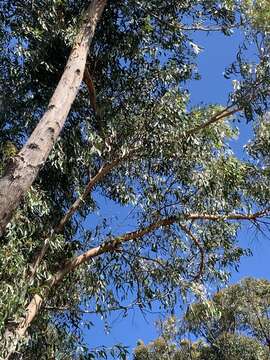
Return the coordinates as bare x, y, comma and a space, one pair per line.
25, 167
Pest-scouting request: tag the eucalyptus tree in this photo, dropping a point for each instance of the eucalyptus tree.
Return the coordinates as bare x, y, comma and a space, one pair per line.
131, 137
233, 325
26, 164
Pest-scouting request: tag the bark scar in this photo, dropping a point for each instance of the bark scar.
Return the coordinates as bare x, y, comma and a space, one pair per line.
33, 146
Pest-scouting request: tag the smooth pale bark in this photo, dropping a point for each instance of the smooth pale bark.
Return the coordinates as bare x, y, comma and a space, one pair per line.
26, 165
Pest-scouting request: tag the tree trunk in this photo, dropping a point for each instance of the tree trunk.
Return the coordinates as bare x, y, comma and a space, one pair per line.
25, 167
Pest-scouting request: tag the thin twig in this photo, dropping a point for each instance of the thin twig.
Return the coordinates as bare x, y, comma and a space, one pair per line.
230, 216
199, 246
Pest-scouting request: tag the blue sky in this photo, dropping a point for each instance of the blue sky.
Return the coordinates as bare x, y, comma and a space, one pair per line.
219, 51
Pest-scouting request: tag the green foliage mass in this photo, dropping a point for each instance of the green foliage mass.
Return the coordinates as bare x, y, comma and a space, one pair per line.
142, 59
233, 325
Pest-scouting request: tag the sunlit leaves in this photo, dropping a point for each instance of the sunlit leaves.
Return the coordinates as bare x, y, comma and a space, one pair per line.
233, 325
172, 164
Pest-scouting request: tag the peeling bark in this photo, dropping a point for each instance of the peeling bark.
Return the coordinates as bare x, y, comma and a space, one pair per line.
26, 165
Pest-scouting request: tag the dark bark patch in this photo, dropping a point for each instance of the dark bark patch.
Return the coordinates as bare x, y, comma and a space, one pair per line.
78, 71
51, 130
33, 146
10, 169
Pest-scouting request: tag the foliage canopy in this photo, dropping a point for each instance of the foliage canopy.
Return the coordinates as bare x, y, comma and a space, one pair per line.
233, 325
169, 165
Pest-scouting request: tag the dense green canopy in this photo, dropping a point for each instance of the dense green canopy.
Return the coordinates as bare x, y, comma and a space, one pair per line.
233, 325
167, 164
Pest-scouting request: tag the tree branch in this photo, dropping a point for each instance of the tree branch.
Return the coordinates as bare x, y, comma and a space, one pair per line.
103, 171
113, 245
124, 308
199, 246
230, 110
198, 27
232, 216
91, 88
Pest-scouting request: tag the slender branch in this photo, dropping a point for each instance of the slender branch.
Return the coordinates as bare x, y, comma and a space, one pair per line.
198, 27
103, 171
113, 245
124, 308
194, 27
199, 246
236, 216
230, 110
190, 216
108, 246
91, 88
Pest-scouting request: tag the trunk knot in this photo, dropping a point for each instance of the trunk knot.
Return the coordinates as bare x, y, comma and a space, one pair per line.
33, 146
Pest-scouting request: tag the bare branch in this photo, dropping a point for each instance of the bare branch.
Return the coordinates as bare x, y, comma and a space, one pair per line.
232, 109
87, 78
165, 222
113, 244
199, 246
108, 246
104, 170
